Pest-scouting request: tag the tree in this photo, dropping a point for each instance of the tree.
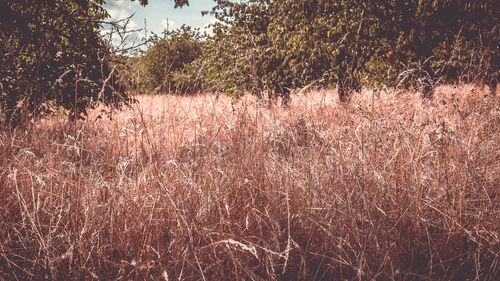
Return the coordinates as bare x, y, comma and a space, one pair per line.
325, 41
438, 38
161, 68
290, 44
285, 44
243, 49
52, 56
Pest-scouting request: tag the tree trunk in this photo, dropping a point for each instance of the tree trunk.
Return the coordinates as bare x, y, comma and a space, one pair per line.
423, 50
493, 86
257, 86
284, 93
343, 89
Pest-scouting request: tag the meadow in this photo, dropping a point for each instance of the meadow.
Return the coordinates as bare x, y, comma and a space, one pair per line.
385, 187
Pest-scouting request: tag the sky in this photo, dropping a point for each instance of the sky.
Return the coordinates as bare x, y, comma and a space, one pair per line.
159, 14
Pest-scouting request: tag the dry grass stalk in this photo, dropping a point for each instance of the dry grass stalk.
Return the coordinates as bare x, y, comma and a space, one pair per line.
190, 188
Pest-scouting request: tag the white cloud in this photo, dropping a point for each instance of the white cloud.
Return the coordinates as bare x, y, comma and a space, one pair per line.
210, 20
169, 24
120, 9
207, 28
118, 14
125, 4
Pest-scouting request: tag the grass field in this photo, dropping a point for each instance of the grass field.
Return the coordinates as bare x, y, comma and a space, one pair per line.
387, 187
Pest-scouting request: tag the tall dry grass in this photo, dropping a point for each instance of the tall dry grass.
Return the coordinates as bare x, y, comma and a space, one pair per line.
194, 188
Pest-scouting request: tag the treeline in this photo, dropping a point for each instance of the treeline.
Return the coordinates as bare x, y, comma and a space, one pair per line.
166, 66
54, 58
264, 46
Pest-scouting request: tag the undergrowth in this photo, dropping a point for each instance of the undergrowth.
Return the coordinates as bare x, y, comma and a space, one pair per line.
388, 187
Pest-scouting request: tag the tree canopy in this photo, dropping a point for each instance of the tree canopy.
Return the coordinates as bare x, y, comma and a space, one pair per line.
53, 56
294, 43
162, 68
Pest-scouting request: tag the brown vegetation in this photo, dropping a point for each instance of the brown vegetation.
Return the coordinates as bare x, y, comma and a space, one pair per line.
388, 187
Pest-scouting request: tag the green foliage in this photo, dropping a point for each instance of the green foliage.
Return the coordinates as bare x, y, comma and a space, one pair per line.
52, 56
261, 45
437, 40
280, 45
125, 74
240, 57
162, 67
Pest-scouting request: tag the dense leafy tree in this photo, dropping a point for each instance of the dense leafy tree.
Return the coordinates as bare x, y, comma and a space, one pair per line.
231, 58
439, 38
161, 68
324, 40
52, 56
276, 45
280, 45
